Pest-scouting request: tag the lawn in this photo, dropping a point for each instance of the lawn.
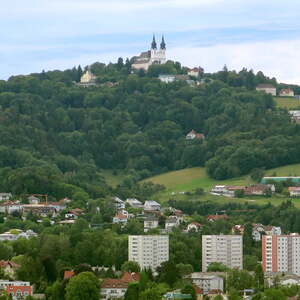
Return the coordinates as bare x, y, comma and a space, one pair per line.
287, 102
187, 180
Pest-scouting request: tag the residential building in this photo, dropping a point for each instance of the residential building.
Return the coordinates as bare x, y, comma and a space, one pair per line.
208, 281
195, 72
281, 253
259, 230
225, 249
153, 56
9, 207
259, 189
39, 209
119, 204
148, 250
15, 234
151, 205
166, 78
194, 227
171, 222
135, 203
5, 196
238, 229
213, 218
150, 222
219, 189
116, 288
226, 190
295, 115
121, 217
33, 200
294, 191
9, 268
267, 88
74, 213
194, 135
19, 292
286, 92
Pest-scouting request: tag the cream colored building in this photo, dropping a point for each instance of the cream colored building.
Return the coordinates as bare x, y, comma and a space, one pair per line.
225, 249
267, 88
88, 78
148, 250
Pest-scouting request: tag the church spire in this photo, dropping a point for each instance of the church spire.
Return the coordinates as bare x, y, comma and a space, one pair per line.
163, 44
153, 44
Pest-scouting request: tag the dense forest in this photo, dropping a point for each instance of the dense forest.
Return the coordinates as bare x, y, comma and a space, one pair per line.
56, 137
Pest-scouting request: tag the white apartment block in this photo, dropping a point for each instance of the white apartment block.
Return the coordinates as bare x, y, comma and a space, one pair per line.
225, 249
281, 253
148, 250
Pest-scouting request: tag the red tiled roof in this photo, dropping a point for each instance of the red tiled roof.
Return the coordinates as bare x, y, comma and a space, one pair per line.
294, 189
131, 277
217, 217
196, 224
4, 263
120, 216
198, 291
14, 289
69, 274
114, 284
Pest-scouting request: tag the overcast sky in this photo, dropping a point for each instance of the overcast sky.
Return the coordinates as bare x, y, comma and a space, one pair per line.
58, 34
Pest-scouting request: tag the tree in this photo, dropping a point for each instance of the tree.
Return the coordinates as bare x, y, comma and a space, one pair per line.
189, 289
132, 292
83, 286
130, 266
168, 273
216, 267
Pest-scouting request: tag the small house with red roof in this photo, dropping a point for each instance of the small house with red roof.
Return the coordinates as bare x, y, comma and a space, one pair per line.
192, 135
68, 274
194, 227
19, 292
131, 276
120, 218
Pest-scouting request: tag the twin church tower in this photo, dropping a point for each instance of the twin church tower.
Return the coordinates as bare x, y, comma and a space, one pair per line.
150, 57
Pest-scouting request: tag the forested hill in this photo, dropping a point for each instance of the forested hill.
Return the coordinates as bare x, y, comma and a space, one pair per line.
56, 137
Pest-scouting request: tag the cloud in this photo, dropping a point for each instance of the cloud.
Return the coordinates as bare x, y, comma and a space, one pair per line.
280, 59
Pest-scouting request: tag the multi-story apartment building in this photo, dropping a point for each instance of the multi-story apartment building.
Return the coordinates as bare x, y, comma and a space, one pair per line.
225, 249
281, 253
148, 250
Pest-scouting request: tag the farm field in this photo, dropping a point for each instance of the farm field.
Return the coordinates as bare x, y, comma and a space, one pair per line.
287, 102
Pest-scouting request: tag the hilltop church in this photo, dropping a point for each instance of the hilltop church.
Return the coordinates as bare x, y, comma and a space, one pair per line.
153, 56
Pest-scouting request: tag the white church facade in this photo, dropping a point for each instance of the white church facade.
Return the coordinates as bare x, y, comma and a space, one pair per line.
153, 56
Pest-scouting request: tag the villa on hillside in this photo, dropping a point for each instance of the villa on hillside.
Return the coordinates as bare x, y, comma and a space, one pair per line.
286, 92
194, 135
195, 72
267, 88
87, 79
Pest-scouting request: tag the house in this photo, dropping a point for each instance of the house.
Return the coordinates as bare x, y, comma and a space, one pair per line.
295, 115
120, 218
171, 223
68, 274
213, 218
74, 213
131, 276
135, 203
286, 92
267, 88
119, 204
194, 135
9, 268
5, 196
113, 288
166, 78
9, 207
208, 281
219, 190
33, 200
231, 190
195, 72
67, 222
19, 292
39, 209
294, 191
150, 223
258, 230
238, 229
15, 234
259, 189
58, 206
194, 227
151, 205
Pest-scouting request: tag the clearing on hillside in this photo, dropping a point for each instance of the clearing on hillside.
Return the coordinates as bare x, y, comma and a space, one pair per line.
287, 102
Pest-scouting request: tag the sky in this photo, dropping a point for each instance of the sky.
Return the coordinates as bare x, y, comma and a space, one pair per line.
263, 35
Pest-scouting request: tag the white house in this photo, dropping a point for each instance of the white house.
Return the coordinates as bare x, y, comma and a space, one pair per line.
193, 227
194, 135
113, 288
119, 204
135, 203
171, 222
286, 92
167, 78
121, 218
195, 72
33, 200
151, 205
15, 234
294, 191
9, 207
88, 78
259, 230
267, 88
5, 196
208, 281
150, 223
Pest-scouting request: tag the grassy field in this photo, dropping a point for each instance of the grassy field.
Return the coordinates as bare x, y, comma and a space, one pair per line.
187, 180
112, 179
287, 102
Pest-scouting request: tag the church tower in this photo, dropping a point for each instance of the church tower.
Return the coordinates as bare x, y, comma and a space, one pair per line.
153, 47
158, 56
